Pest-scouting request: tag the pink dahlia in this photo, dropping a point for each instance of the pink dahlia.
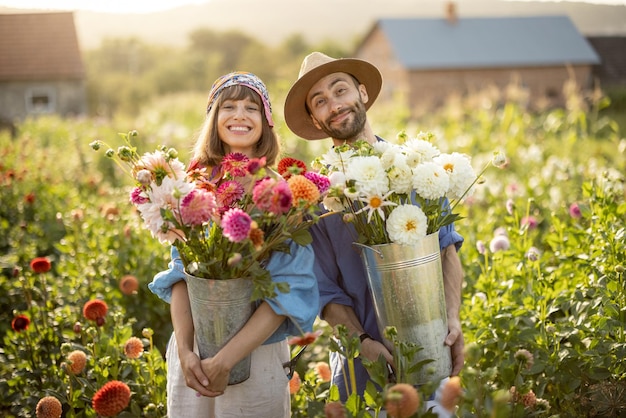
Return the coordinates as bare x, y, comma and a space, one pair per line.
256, 164
236, 225
197, 207
320, 181
530, 222
137, 196
272, 196
574, 211
236, 164
229, 192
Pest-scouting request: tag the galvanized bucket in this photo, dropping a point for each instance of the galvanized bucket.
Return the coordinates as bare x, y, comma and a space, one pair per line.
220, 308
406, 283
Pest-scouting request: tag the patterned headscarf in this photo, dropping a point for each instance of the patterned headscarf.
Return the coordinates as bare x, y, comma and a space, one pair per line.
245, 79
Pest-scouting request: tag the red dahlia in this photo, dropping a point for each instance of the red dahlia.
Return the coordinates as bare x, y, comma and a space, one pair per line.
111, 399
20, 323
40, 264
289, 166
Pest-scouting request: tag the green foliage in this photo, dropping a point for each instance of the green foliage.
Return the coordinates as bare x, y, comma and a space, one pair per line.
557, 291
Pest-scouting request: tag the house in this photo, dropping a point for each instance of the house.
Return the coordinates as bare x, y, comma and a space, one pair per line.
41, 69
612, 52
424, 61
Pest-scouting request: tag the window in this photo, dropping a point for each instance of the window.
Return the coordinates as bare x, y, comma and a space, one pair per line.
40, 100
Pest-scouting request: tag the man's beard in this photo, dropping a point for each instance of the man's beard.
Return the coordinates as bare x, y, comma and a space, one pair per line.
349, 129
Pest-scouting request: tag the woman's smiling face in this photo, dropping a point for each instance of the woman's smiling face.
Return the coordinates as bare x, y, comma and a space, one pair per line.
239, 125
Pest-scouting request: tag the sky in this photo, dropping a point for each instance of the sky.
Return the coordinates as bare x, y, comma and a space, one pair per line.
149, 6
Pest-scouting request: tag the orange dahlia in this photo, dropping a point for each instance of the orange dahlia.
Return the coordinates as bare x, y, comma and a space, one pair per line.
95, 309
322, 369
303, 189
257, 237
77, 361
451, 393
129, 284
49, 407
133, 348
294, 383
111, 399
401, 400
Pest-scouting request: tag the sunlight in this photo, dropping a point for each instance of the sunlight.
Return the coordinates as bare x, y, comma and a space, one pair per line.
111, 6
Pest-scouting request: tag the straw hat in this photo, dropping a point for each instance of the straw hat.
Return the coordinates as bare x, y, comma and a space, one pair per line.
314, 67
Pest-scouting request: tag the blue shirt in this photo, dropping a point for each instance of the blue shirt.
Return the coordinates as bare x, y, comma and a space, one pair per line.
342, 279
300, 305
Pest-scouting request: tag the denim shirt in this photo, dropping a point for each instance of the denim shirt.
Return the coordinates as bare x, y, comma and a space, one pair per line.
300, 305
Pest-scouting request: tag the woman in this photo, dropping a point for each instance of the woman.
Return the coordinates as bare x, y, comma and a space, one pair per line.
238, 119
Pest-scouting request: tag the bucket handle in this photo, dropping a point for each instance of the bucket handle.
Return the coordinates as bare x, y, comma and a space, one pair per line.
380, 253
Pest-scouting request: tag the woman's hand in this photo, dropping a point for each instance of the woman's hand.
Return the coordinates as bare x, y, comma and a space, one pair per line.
217, 374
194, 375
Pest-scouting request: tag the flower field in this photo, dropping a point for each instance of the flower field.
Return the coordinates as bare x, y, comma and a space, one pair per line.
544, 303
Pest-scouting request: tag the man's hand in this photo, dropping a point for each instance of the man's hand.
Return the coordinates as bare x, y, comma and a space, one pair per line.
372, 349
457, 345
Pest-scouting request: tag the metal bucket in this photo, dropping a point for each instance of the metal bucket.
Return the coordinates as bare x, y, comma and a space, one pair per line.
220, 308
406, 283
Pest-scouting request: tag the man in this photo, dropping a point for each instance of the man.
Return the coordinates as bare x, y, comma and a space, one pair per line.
330, 99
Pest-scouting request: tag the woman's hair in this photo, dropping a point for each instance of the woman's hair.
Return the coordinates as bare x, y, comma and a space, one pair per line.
210, 149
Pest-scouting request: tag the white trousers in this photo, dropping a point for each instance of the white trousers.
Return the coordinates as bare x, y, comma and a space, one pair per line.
265, 394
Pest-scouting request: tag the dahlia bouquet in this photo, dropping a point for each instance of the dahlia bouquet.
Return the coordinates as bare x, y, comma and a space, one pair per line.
397, 192
225, 221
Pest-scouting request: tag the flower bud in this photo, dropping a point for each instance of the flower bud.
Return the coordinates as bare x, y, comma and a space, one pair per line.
499, 159
172, 153
125, 153
234, 259
144, 177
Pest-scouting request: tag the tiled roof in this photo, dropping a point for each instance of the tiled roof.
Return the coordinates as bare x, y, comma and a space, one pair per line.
487, 42
37, 46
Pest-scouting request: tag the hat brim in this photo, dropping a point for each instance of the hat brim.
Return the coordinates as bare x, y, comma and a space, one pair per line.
296, 115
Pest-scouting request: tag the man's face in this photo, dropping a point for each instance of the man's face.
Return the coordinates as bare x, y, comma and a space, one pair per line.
337, 106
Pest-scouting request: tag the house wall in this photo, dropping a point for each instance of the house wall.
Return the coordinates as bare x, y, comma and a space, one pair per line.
540, 87
19, 99
612, 69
